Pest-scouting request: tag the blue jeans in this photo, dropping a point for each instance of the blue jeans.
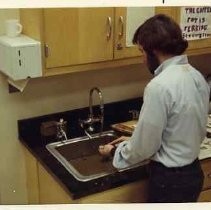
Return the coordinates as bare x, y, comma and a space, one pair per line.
175, 185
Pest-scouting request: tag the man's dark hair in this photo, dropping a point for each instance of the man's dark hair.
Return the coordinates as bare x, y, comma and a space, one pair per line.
160, 33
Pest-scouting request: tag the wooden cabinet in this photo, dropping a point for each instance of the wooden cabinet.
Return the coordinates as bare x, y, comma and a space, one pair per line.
31, 177
126, 21
206, 167
73, 40
205, 195
121, 50
42, 187
79, 39
135, 192
51, 192
78, 36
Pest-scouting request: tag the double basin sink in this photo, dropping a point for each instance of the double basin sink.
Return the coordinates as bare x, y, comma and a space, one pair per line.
81, 158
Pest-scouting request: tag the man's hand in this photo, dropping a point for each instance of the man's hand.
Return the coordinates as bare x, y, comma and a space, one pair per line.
105, 150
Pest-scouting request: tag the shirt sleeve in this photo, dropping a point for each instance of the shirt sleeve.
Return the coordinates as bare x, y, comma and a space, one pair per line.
146, 138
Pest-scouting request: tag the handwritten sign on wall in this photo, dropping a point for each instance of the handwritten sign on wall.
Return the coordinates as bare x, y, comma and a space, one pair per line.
195, 22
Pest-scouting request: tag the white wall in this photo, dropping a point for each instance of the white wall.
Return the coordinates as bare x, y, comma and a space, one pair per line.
48, 95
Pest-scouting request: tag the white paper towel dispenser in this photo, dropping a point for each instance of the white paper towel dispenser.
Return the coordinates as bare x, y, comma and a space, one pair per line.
20, 57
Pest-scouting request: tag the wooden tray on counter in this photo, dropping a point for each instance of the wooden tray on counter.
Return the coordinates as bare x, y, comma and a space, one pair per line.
125, 127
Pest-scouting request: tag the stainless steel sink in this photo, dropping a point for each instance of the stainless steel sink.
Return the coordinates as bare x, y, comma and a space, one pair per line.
81, 158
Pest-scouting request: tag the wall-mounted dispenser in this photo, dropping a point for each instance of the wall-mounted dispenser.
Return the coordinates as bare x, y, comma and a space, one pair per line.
20, 57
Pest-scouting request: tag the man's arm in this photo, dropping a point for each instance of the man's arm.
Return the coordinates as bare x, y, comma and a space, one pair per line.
147, 136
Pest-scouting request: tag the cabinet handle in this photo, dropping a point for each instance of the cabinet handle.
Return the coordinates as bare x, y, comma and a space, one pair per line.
109, 22
46, 50
121, 21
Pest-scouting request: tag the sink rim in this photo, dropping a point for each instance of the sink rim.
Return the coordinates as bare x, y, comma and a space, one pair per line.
83, 178
51, 148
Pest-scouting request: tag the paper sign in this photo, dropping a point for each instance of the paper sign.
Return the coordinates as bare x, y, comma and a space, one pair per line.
195, 22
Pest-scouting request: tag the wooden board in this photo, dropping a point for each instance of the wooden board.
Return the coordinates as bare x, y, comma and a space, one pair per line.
125, 127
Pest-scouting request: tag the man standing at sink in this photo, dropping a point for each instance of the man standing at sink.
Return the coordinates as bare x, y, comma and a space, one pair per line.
172, 122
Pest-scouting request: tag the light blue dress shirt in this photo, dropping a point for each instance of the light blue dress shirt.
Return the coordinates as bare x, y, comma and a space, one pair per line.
172, 121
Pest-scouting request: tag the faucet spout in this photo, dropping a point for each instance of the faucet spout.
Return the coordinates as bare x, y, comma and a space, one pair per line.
91, 102
91, 118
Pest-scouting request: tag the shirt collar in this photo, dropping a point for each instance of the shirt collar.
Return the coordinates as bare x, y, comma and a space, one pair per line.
179, 59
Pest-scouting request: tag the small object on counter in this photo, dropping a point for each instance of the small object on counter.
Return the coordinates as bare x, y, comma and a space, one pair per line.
48, 128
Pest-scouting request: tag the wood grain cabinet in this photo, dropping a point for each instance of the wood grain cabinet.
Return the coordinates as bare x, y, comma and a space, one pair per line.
52, 192
126, 18
126, 22
205, 195
78, 36
79, 39
93, 34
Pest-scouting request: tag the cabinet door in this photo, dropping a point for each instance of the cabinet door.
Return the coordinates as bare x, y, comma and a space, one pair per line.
50, 192
32, 181
135, 192
76, 36
206, 167
205, 196
126, 22
196, 46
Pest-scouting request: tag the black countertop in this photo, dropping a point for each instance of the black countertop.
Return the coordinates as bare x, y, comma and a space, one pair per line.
30, 136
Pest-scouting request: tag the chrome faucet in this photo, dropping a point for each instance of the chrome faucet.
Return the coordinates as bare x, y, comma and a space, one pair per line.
61, 127
91, 118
